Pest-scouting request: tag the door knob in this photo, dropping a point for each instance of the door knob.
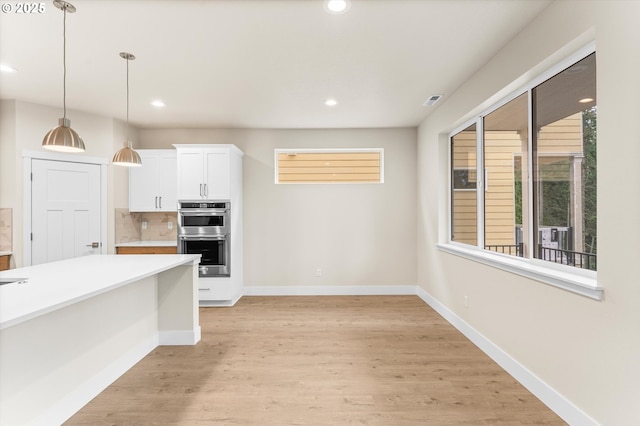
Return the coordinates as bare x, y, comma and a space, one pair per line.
94, 244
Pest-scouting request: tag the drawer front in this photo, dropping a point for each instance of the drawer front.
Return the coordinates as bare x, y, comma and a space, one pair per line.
4, 262
147, 250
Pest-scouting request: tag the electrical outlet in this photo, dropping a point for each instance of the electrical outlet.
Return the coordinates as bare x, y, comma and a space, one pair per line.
170, 225
144, 225
466, 301
318, 272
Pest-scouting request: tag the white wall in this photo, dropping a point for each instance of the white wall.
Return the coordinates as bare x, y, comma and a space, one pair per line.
358, 234
24, 125
7, 153
588, 351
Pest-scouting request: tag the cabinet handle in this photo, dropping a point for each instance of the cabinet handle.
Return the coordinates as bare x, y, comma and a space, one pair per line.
201, 190
160, 202
156, 202
206, 192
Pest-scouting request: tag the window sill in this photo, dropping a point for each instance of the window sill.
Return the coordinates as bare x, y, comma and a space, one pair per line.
583, 283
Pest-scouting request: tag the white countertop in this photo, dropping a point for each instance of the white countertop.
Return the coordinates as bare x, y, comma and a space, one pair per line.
166, 243
54, 285
6, 253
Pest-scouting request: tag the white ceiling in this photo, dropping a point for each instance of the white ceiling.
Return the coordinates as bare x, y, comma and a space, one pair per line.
256, 63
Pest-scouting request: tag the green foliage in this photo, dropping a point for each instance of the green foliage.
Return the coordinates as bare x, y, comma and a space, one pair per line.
555, 202
517, 175
589, 179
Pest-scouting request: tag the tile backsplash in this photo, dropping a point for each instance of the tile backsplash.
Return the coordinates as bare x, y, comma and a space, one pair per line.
6, 229
128, 226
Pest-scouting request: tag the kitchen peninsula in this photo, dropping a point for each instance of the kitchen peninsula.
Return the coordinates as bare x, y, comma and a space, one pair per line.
71, 328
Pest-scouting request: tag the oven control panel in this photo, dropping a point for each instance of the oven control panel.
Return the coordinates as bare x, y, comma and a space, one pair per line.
198, 205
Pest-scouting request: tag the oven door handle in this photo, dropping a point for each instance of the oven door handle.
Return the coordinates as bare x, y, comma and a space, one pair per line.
202, 238
203, 212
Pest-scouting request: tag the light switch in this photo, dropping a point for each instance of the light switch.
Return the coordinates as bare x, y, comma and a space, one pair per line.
170, 225
144, 225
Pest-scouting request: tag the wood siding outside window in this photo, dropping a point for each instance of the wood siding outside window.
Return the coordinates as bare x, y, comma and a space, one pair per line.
329, 166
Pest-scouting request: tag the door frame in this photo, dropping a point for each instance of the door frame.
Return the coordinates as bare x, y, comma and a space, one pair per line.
27, 157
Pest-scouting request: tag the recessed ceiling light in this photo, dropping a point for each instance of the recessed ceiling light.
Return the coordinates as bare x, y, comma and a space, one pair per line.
158, 103
7, 68
337, 6
331, 102
585, 100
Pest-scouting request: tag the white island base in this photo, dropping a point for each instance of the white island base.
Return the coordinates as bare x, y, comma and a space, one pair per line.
79, 324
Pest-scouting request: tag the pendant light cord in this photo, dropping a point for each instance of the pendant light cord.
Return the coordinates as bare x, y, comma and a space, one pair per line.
64, 62
127, 127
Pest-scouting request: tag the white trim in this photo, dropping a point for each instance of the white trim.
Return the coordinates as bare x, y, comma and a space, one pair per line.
27, 157
317, 290
69, 158
199, 147
480, 183
26, 208
72, 403
568, 278
179, 337
579, 281
548, 395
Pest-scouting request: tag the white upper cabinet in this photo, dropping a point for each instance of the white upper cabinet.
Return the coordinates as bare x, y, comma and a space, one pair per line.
205, 171
218, 175
191, 174
153, 186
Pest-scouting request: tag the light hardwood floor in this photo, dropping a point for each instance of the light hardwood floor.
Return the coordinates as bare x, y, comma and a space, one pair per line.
374, 360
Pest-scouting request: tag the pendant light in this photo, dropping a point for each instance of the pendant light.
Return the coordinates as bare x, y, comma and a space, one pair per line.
127, 156
63, 138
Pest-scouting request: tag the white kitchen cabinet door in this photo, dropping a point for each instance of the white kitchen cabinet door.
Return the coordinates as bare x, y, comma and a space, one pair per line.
152, 186
204, 173
142, 184
191, 174
218, 175
167, 183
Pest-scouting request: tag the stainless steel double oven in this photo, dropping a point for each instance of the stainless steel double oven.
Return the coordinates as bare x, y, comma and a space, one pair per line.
204, 228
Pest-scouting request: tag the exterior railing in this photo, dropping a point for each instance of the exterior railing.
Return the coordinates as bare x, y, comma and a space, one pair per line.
511, 249
568, 257
565, 257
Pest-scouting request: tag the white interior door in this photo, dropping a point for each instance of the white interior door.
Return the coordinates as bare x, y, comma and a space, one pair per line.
65, 212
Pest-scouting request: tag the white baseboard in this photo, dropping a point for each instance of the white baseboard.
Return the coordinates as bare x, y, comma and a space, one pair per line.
180, 337
367, 290
73, 402
549, 396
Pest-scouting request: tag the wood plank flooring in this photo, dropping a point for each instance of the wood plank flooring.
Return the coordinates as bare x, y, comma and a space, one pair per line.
374, 360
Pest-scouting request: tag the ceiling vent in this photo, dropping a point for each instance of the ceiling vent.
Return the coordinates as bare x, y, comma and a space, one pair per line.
432, 100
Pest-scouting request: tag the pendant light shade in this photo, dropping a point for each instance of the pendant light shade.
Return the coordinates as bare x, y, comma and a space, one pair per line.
64, 138
127, 156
